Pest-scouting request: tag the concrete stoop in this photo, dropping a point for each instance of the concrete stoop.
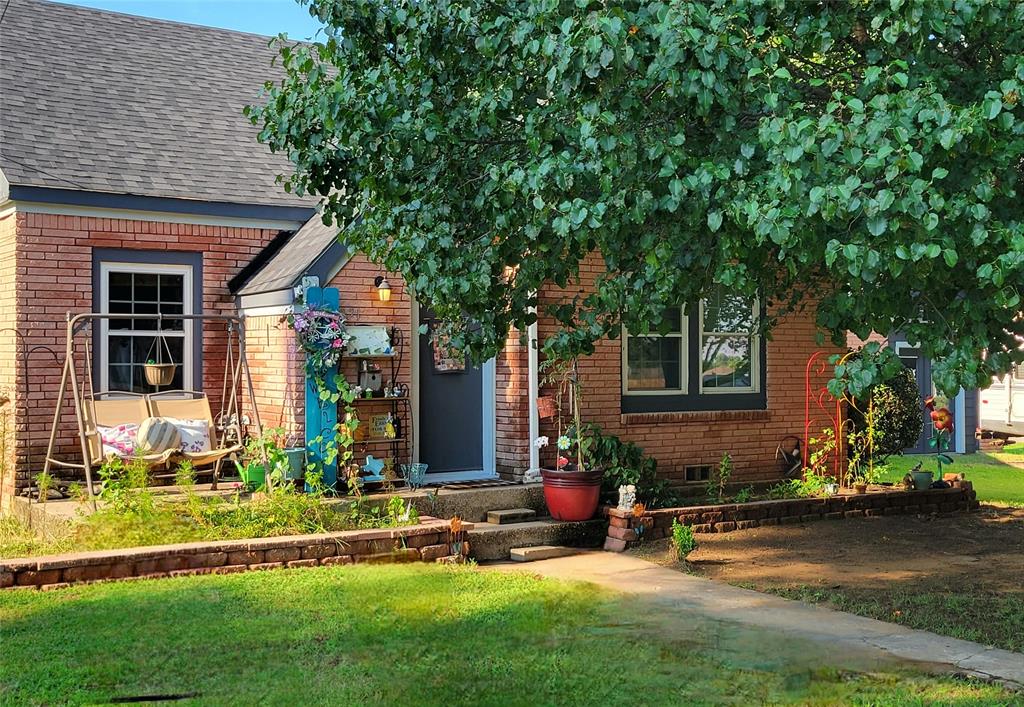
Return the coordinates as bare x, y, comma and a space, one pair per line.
489, 541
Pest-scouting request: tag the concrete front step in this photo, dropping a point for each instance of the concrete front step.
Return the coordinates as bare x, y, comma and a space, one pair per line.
511, 515
542, 552
489, 541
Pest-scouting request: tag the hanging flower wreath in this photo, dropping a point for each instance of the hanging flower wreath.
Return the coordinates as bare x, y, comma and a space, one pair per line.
322, 336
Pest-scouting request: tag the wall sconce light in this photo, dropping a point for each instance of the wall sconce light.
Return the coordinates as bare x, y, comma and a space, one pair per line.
383, 288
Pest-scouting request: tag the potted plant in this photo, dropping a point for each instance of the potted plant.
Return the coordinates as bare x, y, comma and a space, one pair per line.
265, 461
572, 487
159, 374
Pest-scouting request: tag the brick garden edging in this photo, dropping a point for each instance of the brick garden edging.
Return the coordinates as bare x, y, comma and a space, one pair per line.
728, 517
425, 542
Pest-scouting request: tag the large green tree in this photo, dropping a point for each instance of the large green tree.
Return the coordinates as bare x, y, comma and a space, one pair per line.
864, 154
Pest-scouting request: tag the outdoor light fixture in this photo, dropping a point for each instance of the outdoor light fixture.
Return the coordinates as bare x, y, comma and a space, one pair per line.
383, 288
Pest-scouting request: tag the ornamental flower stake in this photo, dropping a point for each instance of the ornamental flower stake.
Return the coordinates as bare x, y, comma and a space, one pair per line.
942, 421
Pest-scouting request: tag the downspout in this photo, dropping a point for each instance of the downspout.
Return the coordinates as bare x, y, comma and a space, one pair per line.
533, 383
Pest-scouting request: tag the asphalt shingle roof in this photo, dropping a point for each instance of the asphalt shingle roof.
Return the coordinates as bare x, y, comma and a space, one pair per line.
295, 258
105, 102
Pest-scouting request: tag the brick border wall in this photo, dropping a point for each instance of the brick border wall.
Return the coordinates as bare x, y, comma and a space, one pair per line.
426, 542
726, 518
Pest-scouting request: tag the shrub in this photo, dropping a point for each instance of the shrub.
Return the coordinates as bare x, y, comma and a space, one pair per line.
683, 539
898, 415
624, 463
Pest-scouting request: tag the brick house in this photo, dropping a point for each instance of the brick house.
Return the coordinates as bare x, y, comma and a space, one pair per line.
130, 181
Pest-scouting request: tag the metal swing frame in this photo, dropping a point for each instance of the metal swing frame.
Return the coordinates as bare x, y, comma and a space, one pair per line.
236, 368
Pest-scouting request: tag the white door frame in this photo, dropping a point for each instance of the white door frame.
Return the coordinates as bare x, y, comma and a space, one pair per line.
490, 412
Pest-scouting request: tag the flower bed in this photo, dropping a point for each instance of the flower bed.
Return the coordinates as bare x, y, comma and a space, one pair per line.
428, 541
626, 529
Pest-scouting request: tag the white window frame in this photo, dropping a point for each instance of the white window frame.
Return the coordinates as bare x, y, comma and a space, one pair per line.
755, 352
684, 358
188, 307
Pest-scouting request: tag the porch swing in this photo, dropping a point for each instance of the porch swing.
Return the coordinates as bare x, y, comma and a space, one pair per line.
113, 408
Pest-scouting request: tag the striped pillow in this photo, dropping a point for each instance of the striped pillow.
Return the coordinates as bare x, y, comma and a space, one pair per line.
157, 435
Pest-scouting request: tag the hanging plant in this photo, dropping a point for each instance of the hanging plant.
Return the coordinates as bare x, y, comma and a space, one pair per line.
322, 337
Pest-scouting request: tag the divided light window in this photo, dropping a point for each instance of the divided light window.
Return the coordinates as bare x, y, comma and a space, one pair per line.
127, 344
711, 358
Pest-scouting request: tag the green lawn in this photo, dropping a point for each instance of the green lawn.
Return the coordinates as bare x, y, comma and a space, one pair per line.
994, 479
400, 634
987, 618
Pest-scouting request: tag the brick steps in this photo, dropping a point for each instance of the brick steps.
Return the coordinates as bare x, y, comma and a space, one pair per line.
511, 515
489, 541
541, 552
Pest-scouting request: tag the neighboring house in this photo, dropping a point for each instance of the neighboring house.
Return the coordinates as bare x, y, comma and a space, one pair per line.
130, 181
1001, 405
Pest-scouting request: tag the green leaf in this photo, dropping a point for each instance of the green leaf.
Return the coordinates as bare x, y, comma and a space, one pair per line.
877, 225
939, 173
950, 256
992, 106
714, 220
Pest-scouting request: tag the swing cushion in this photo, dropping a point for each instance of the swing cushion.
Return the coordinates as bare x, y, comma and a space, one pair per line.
195, 435
158, 434
118, 441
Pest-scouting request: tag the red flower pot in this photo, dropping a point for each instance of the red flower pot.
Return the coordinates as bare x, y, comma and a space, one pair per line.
572, 495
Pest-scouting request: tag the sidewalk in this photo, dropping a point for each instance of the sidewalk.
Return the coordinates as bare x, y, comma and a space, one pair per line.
779, 629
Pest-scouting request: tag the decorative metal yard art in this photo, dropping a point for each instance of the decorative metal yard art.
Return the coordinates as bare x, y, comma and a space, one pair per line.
822, 410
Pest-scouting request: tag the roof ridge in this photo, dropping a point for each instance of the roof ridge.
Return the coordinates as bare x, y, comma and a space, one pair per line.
88, 9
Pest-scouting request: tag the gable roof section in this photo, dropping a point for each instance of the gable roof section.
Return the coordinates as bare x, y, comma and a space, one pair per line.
312, 250
104, 102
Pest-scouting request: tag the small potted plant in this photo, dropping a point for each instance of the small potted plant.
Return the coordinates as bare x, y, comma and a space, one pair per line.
572, 487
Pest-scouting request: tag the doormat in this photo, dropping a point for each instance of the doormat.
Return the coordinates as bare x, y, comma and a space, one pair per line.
482, 483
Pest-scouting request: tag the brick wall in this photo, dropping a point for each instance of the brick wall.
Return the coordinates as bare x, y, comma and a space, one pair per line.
9, 396
278, 374
677, 440
428, 541
54, 276
627, 529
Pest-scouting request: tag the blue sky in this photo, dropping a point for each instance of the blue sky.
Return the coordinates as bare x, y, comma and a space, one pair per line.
260, 16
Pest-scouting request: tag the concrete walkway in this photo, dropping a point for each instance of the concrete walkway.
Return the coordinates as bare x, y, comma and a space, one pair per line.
743, 622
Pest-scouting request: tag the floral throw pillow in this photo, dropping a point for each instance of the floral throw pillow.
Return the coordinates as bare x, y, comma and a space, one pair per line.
195, 435
119, 441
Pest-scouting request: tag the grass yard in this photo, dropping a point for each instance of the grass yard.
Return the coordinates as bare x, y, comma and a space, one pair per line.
994, 479
398, 634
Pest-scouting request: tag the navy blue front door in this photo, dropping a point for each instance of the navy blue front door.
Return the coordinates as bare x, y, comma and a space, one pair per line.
450, 410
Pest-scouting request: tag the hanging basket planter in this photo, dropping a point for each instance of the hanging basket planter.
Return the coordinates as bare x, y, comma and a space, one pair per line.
159, 374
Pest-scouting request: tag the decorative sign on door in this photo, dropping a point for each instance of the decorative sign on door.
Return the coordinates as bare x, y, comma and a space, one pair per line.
445, 359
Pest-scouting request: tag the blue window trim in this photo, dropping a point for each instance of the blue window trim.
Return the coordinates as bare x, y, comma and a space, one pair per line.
152, 257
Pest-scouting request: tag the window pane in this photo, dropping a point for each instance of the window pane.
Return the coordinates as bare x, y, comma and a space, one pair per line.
120, 285
728, 312
146, 289
119, 377
726, 362
652, 363
172, 289
119, 349
145, 308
